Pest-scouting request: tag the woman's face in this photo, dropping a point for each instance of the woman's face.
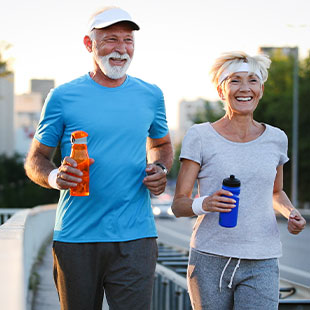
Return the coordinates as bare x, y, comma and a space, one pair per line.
241, 92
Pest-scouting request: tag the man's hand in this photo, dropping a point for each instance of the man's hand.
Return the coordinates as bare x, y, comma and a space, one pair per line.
68, 175
155, 180
296, 223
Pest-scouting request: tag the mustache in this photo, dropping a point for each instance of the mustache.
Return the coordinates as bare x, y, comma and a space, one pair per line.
117, 55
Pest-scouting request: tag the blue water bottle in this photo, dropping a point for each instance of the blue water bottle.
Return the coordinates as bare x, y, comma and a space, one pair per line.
229, 219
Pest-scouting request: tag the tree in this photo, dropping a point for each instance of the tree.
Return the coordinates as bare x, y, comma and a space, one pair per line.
16, 190
212, 112
276, 109
4, 62
304, 129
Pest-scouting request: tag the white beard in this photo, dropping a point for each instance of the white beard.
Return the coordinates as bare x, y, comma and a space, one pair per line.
114, 72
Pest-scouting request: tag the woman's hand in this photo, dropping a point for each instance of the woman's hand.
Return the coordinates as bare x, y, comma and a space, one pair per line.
218, 203
296, 223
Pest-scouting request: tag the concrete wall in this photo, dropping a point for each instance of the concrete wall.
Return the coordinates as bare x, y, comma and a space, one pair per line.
21, 238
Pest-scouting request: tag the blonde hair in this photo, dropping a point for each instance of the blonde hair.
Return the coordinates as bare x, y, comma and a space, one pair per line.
233, 60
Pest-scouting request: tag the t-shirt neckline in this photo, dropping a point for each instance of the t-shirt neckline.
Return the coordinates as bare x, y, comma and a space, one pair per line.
105, 87
239, 143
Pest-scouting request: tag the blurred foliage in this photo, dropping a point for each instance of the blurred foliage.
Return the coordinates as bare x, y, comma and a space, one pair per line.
173, 173
276, 108
16, 190
4, 62
212, 112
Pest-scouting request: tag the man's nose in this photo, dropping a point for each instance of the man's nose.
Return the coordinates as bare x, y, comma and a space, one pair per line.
121, 47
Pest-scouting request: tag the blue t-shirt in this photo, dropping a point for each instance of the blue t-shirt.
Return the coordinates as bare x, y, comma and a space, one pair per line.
118, 121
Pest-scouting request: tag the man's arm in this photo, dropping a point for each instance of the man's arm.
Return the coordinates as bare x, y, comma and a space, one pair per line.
38, 166
158, 151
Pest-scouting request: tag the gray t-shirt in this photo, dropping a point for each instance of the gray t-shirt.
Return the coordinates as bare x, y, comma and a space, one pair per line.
254, 163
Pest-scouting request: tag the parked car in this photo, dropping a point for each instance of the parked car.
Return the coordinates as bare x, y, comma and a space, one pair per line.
162, 209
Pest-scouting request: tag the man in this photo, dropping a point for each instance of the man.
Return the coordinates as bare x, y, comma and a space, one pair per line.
105, 242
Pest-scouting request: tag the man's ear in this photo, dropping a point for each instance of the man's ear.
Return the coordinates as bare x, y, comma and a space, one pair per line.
220, 92
88, 43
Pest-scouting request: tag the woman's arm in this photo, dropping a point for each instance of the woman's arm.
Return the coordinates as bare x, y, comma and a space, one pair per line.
282, 204
182, 202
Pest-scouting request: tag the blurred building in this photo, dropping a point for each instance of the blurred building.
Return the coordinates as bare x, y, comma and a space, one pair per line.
7, 115
187, 114
27, 114
42, 86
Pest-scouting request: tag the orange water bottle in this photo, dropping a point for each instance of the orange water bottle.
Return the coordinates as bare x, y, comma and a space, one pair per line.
80, 154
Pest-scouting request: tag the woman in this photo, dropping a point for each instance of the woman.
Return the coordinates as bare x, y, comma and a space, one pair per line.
235, 268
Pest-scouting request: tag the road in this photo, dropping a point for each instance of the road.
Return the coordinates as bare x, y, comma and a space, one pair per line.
294, 264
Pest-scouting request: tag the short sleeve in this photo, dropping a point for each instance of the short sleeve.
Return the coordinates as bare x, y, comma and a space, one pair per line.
192, 146
283, 144
159, 126
50, 127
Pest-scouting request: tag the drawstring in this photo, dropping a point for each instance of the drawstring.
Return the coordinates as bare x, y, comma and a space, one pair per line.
233, 274
223, 273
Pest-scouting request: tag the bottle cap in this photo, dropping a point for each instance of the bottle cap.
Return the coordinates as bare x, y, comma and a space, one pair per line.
231, 181
79, 137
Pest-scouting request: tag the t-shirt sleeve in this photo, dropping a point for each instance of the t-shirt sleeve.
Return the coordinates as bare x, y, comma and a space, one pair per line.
50, 127
192, 146
159, 127
283, 149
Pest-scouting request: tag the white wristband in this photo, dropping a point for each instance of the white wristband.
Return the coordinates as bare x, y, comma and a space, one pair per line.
197, 206
52, 179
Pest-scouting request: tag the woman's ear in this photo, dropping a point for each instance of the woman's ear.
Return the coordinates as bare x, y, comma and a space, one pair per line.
88, 43
262, 91
220, 92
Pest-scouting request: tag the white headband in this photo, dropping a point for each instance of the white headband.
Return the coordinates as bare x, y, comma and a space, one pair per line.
244, 67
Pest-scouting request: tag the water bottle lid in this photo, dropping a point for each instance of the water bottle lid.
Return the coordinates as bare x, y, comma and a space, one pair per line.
231, 181
79, 137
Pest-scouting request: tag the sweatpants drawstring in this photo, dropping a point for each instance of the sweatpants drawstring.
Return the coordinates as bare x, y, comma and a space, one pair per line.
233, 274
221, 278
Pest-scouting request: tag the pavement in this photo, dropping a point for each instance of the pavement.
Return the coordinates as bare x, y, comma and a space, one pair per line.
46, 297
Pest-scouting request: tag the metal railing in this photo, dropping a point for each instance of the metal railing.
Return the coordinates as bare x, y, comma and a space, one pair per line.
170, 287
5, 214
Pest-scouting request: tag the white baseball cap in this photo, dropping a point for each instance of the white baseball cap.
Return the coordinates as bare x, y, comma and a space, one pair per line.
110, 17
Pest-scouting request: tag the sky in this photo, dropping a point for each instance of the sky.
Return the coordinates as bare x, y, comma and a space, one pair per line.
174, 49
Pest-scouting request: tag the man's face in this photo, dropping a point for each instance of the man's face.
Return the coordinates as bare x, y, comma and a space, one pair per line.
113, 49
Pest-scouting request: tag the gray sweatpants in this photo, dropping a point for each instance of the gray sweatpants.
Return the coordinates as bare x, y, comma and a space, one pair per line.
220, 283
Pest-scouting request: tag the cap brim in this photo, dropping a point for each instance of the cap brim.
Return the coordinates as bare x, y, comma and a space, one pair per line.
107, 24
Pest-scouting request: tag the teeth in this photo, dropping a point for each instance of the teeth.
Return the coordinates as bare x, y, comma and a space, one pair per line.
244, 98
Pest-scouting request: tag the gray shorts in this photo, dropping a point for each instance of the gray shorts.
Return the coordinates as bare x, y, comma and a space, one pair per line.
249, 285
124, 271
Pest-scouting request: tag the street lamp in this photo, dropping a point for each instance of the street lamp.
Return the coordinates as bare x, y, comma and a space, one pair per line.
294, 190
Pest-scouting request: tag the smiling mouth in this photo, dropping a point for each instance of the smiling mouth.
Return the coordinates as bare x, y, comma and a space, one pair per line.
118, 61
244, 99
